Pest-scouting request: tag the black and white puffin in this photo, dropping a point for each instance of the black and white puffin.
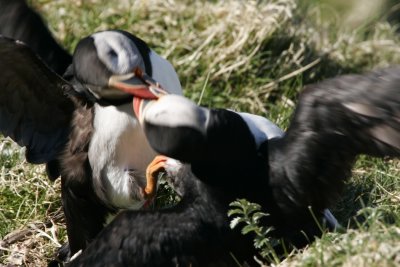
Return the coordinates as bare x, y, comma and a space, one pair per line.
231, 156
334, 122
83, 126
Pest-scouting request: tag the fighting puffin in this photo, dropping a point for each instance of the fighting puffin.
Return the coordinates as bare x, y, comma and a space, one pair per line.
334, 122
83, 125
293, 176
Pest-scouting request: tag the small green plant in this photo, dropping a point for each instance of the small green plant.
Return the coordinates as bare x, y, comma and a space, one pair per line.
166, 196
249, 215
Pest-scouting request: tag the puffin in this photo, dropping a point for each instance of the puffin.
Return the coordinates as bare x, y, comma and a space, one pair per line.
334, 121
82, 124
194, 232
20, 22
228, 155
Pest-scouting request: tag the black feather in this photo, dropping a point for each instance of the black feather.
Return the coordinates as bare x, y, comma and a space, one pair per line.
20, 22
334, 122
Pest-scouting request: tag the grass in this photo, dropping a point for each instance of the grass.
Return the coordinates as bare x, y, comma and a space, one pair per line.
252, 56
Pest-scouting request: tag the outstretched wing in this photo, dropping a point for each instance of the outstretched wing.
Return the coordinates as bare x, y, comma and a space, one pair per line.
18, 21
35, 109
335, 121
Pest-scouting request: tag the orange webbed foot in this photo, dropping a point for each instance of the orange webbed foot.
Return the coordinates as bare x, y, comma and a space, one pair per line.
152, 171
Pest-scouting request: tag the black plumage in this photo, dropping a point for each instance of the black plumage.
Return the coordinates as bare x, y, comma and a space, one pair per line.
56, 119
334, 121
44, 133
195, 232
37, 111
20, 22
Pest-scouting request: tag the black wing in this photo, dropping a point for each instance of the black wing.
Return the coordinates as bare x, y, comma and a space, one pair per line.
35, 110
195, 232
18, 21
335, 121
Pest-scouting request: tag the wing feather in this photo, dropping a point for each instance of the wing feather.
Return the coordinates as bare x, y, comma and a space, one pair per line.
19, 21
35, 103
334, 121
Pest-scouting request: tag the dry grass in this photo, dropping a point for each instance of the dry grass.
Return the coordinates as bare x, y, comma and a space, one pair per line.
27, 200
247, 55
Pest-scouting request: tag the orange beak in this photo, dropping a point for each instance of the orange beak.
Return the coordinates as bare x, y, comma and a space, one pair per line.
140, 85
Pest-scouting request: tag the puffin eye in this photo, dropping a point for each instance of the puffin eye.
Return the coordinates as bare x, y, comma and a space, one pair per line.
112, 53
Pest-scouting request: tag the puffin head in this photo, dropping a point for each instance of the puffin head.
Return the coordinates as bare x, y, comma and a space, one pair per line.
113, 66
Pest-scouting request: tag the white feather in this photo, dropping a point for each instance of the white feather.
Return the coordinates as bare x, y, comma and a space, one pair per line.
121, 56
165, 74
117, 52
118, 143
176, 111
261, 128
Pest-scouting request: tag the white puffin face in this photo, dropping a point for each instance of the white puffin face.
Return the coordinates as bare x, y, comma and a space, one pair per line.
117, 52
176, 111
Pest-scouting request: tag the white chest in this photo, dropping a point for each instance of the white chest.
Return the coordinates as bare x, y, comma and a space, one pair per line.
118, 144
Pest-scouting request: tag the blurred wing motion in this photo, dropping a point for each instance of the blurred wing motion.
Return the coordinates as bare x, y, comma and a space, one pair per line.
18, 21
334, 121
35, 110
